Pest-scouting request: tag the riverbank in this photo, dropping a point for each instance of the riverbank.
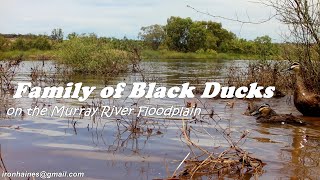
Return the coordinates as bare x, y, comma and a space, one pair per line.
165, 54
34, 54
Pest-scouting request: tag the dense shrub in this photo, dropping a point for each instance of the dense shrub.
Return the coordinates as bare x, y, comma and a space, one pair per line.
20, 44
41, 43
91, 55
261, 46
4, 43
24, 44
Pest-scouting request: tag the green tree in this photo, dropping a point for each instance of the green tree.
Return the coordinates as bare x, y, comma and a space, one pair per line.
72, 35
153, 35
264, 46
215, 30
196, 38
57, 34
185, 35
177, 30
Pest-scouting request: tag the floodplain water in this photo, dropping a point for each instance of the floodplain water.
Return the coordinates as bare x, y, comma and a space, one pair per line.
106, 148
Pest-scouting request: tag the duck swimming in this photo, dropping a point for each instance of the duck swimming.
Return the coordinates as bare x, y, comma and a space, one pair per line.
267, 115
251, 108
306, 102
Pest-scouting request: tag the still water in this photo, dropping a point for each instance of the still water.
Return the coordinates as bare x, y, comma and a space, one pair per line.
105, 148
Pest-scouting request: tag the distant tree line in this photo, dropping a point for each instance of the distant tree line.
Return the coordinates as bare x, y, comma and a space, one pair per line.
23, 43
179, 34
30, 41
185, 35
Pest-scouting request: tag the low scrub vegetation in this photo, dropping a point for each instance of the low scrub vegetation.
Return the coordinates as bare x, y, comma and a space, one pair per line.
89, 54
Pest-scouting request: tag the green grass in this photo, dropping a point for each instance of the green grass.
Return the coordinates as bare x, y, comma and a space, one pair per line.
164, 54
32, 54
35, 54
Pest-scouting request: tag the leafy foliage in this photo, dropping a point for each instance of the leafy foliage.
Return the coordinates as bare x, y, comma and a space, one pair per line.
152, 35
89, 54
185, 35
261, 46
39, 42
264, 46
72, 35
177, 36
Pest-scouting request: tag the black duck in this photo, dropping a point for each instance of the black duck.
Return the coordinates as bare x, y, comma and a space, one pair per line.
306, 102
267, 115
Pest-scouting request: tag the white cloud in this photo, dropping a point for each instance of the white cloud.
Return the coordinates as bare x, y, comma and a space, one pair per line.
119, 18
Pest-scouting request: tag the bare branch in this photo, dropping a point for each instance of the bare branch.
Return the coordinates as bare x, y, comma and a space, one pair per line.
234, 19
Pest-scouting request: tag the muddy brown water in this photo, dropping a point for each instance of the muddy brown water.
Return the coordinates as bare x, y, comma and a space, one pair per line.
103, 150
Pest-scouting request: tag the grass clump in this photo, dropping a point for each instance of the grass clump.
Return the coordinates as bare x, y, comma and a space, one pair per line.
32, 54
91, 55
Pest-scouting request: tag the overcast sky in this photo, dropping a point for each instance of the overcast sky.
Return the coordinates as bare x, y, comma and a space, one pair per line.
119, 18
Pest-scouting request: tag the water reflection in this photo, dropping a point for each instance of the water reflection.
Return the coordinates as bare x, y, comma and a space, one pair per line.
126, 147
304, 155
